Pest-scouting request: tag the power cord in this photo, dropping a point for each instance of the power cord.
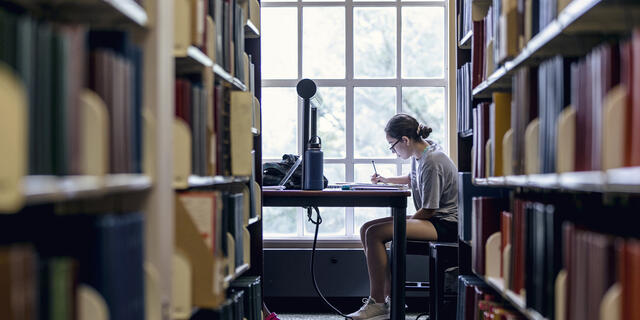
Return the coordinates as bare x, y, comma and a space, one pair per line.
317, 222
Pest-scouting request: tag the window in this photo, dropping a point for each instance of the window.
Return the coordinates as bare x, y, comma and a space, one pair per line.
370, 59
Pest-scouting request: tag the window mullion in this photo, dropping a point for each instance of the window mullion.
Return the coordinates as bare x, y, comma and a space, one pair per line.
350, 134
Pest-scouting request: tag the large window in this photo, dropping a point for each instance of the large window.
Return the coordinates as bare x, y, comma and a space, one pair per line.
371, 60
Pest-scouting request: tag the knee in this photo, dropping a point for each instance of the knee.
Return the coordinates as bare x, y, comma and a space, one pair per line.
372, 234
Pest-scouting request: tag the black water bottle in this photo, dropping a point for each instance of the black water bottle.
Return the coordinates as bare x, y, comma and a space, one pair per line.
313, 170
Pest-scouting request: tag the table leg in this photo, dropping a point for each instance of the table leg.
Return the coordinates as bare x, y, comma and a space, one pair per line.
398, 263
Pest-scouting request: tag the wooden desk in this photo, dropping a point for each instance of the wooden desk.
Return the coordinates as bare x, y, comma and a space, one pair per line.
395, 199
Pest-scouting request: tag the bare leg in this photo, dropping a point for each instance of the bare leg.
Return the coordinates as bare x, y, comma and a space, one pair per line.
366, 225
377, 261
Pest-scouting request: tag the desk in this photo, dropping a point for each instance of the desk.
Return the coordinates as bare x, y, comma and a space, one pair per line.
395, 199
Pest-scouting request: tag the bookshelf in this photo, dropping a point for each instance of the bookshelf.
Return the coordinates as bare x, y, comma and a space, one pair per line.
228, 78
50, 189
576, 30
465, 42
118, 181
98, 12
537, 186
214, 160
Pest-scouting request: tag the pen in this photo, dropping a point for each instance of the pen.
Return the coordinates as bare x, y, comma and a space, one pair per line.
374, 167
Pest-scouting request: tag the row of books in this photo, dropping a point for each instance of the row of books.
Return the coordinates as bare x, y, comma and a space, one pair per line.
217, 28
244, 302
476, 301
217, 214
564, 115
464, 98
43, 273
540, 239
505, 30
465, 24
220, 122
191, 106
56, 64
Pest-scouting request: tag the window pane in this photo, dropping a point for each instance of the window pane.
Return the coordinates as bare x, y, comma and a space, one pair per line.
334, 172
427, 106
332, 122
373, 107
279, 121
333, 222
362, 215
374, 42
279, 43
278, 222
323, 41
364, 171
422, 42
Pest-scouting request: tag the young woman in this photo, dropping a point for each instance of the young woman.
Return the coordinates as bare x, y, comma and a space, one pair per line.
434, 186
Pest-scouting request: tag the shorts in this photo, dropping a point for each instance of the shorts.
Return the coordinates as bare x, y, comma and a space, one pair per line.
447, 230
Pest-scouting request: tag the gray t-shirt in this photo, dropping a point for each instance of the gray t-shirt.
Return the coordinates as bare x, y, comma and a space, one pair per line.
434, 183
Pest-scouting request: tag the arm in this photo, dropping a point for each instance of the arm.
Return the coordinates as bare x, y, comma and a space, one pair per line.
423, 214
397, 180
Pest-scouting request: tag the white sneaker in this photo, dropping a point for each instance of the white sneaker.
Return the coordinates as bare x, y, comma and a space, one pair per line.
387, 300
371, 311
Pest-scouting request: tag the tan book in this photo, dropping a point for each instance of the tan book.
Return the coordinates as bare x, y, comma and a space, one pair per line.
197, 22
254, 13
182, 36
566, 140
614, 128
241, 138
13, 139
202, 207
211, 39
500, 123
531, 148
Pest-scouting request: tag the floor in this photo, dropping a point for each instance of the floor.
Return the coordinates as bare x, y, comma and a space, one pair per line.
331, 317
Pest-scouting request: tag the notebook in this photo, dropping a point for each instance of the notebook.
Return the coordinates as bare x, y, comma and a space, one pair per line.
367, 186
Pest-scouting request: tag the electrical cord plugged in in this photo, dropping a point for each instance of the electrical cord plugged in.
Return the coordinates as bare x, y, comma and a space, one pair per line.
317, 222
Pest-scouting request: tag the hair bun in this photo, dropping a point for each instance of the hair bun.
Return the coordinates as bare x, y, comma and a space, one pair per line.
423, 131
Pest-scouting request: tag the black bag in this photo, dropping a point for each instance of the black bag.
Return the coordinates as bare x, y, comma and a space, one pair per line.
274, 172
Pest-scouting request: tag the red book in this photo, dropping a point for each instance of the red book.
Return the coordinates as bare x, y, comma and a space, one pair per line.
635, 107
477, 53
486, 220
626, 75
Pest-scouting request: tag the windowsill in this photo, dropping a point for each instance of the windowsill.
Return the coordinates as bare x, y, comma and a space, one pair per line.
307, 243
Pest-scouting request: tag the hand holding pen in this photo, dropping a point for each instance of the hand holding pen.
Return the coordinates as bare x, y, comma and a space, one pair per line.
376, 178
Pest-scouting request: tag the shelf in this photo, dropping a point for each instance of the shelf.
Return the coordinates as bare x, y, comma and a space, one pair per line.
193, 60
224, 75
466, 133
239, 271
515, 300
621, 180
205, 182
94, 12
250, 30
46, 189
253, 220
465, 42
575, 32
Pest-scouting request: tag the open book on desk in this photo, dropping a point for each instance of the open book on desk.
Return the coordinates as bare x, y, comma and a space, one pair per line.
367, 186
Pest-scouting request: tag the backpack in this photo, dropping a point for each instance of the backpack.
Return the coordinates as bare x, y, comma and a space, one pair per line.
274, 172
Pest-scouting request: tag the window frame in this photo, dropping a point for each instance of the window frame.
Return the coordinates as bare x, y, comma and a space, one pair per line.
349, 83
